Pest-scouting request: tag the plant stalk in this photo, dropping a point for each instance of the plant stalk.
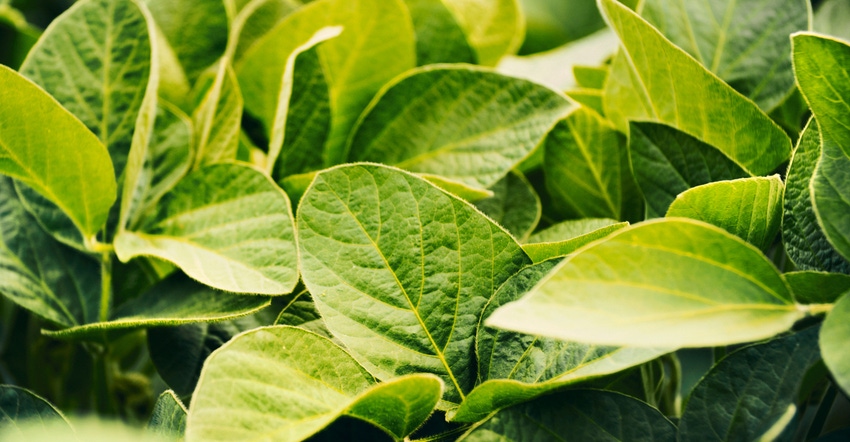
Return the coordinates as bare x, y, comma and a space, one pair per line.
105, 285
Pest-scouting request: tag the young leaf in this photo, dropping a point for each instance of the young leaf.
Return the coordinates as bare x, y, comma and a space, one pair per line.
493, 27
834, 336
66, 164
541, 251
587, 169
514, 205
439, 37
463, 123
174, 301
623, 291
745, 44
41, 275
401, 271
811, 287
99, 75
581, 415
667, 162
22, 409
803, 238
682, 93
287, 384
748, 391
822, 65
750, 208
168, 418
226, 225
516, 367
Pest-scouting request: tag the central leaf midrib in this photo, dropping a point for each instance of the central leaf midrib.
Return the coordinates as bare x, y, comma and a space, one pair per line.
413, 308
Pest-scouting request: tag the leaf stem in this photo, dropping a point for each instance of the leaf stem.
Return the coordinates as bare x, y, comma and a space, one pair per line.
105, 286
815, 309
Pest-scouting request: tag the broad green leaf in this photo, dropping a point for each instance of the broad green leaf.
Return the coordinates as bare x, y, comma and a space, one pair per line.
267, 16
750, 208
746, 393
680, 92
375, 33
195, 29
834, 336
621, 291
21, 409
811, 287
822, 65
832, 17
99, 75
744, 43
541, 251
169, 157
278, 129
174, 301
516, 367
460, 122
301, 312
179, 352
587, 169
66, 164
803, 238
411, 270
284, 383
830, 188
579, 415
41, 275
514, 205
168, 418
566, 230
590, 77
494, 28
226, 225
667, 162
439, 38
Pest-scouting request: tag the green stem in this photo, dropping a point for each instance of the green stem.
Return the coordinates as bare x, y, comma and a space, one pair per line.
816, 309
103, 381
105, 285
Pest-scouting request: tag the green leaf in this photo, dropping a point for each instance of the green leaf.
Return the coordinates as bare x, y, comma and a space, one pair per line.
749, 390
515, 367
589, 98
99, 75
580, 415
667, 162
803, 238
834, 336
457, 188
750, 208
168, 418
401, 271
439, 37
217, 120
173, 301
587, 169
567, 230
301, 312
460, 122
195, 29
832, 17
745, 44
67, 164
830, 187
514, 205
40, 274
822, 65
590, 77
226, 225
169, 158
494, 28
21, 409
541, 251
680, 92
811, 287
284, 383
621, 291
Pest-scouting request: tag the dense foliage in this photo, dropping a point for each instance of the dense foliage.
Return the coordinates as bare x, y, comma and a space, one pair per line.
369, 219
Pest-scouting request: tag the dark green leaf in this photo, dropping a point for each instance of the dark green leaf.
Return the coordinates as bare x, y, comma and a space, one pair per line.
817, 287
21, 409
514, 205
439, 38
